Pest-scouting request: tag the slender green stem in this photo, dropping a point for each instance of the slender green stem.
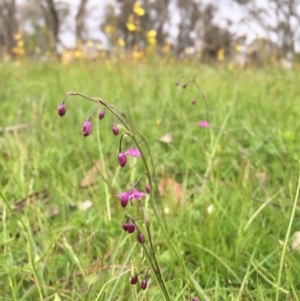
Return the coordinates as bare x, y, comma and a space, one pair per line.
288, 232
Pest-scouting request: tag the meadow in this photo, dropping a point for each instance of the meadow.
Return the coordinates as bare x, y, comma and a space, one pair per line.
229, 191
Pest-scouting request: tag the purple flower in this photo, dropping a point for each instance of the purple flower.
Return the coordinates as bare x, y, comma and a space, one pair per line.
147, 188
125, 197
134, 279
87, 128
141, 237
101, 114
115, 129
203, 124
61, 110
144, 284
137, 194
122, 159
125, 227
131, 227
133, 152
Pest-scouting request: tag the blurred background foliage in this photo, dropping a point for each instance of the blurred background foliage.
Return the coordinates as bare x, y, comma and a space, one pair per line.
135, 29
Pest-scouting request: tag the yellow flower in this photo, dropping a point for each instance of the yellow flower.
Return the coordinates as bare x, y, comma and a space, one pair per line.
238, 47
151, 34
20, 44
166, 48
138, 9
121, 42
109, 29
77, 53
221, 54
151, 41
130, 26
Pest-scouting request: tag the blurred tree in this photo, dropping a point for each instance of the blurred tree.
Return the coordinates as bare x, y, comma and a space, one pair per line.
198, 30
135, 19
53, 14
8, 25
79, 20
280, 20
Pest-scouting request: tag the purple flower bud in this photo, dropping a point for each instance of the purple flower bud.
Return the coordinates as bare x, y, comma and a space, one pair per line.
61, 109
101, 114
131, 227
184, 86
144, 284
177, 83
122, 159
195, 299
141, 237
193, 101
125, 227
134, 279
115, 129
147, 188
87, 128
124, 201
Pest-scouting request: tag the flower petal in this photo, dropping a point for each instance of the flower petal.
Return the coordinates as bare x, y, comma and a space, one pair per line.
133, 152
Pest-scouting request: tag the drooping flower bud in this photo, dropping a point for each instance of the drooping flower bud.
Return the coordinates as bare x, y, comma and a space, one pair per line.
101, 114
131, 227
61, 109
124, 201
147, 188
87, 128
141, 237
144, 284
115, 129
184, 86
134, 279
125, 227
177, 83
193, 101
122, 159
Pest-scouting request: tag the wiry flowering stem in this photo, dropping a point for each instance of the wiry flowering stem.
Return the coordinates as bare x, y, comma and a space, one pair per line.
120, 116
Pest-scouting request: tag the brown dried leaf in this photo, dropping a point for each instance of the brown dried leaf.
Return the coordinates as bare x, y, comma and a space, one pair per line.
90, 177
261, 176
169, 187
32, 198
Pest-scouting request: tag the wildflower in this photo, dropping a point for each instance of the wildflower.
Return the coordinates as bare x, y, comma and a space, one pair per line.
203, 124
147, 188
115, 129
133, 152
137, 194
125, 227
184, 86
124, 197
144, 284
193, 101
134, 279
122, 159
87, 128
61, 109
101, 114
131, 227
141, 237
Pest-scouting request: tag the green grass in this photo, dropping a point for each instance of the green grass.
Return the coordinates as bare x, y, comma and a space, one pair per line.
244, 166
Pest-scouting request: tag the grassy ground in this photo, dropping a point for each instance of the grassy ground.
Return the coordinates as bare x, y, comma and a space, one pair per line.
238, 180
